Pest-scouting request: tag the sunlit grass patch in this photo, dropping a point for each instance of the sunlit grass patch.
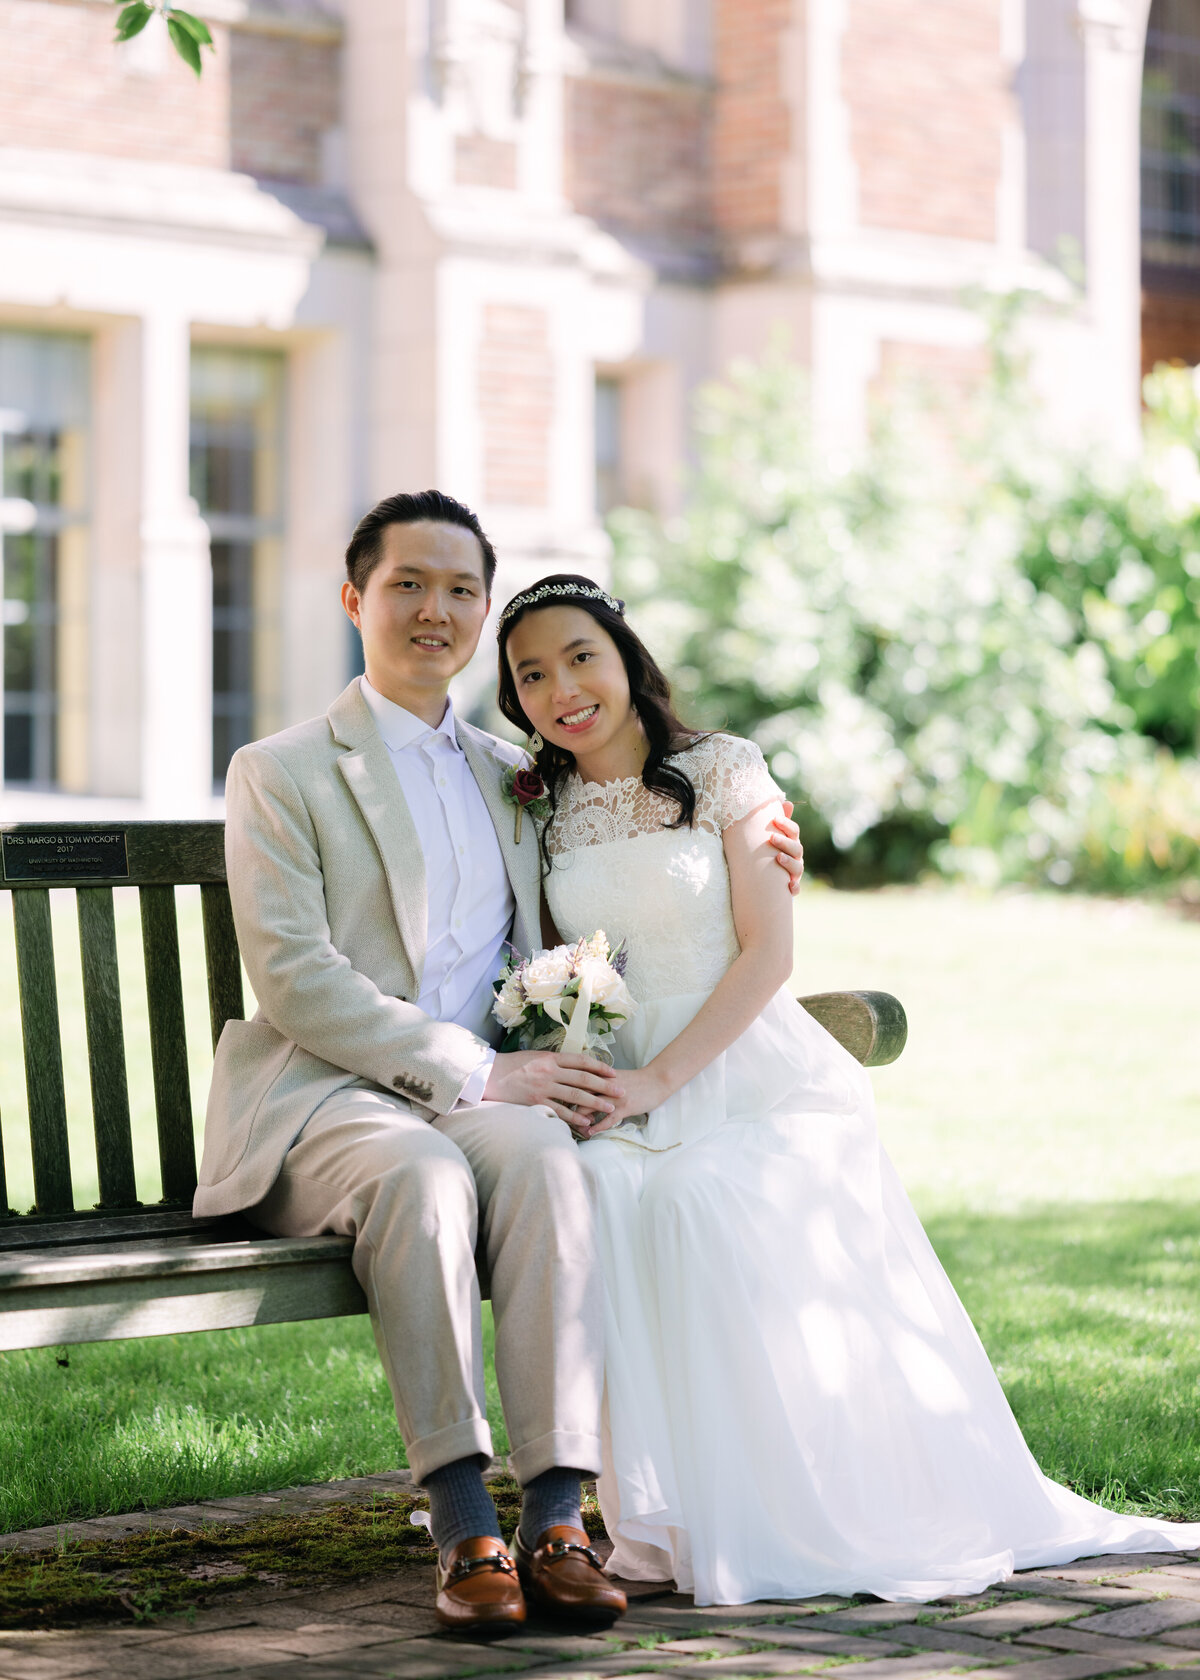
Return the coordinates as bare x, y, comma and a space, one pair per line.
137, 1425
1091, 1315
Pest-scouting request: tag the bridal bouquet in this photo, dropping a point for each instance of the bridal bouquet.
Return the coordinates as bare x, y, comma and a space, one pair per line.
565, 999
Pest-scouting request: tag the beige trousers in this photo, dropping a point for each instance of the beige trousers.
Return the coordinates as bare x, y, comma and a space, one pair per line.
418, 1196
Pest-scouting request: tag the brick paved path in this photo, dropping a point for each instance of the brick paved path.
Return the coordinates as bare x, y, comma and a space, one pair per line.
1101, 1616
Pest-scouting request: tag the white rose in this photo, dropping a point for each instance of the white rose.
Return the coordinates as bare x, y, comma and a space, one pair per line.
510, 1003
609, 991
547, 974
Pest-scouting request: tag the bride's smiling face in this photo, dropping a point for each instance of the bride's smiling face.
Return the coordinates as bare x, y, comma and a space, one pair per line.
571, 682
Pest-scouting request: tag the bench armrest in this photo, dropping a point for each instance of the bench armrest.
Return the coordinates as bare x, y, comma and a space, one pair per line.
871, 1025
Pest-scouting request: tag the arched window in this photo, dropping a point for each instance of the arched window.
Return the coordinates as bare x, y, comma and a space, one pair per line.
1171, 184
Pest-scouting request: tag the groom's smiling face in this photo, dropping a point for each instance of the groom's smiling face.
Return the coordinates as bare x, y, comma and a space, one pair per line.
420, 611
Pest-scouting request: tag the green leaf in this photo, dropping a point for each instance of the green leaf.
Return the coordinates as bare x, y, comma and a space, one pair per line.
195, 27
186, 45
133, 20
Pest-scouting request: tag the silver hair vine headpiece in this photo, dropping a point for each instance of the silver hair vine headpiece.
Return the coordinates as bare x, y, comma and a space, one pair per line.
571, 591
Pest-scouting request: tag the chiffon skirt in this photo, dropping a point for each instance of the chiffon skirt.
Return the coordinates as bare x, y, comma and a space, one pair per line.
796, 1402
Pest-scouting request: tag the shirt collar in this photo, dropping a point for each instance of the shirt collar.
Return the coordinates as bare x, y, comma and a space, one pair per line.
400, 728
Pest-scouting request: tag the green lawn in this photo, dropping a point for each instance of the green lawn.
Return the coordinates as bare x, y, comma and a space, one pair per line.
1046, 1116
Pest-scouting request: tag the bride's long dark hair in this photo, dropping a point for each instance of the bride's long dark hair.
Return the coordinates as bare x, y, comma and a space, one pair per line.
649, 691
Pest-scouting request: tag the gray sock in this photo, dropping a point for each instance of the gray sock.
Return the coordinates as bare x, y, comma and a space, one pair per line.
549, 1499
460, 1506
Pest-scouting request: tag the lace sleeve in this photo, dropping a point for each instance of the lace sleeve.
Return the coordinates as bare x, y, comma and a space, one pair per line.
733, 781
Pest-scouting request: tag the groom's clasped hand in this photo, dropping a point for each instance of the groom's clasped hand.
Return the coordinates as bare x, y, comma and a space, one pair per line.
578, 1088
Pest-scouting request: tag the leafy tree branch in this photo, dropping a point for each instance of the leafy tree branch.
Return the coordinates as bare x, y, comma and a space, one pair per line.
188, 33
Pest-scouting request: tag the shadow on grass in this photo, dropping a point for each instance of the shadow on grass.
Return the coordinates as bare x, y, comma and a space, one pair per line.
1090, 1312
1091, 1315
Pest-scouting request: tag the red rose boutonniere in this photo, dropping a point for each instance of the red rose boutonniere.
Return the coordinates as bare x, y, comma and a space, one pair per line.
525, 790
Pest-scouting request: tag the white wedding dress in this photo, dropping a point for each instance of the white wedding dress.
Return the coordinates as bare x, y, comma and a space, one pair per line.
796, 1401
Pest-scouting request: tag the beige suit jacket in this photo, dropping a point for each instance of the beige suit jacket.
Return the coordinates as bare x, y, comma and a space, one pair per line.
328, 887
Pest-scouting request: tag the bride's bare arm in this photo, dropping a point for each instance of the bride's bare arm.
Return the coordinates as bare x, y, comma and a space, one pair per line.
762, 915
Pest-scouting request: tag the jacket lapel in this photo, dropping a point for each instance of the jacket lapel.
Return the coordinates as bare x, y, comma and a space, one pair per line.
371, 778
521, 861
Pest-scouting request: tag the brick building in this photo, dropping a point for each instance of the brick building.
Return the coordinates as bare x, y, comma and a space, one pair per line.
478, 243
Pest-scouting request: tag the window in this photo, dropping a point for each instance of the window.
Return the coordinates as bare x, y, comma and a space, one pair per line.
1171, 135
236, 456
43, 521
608, 444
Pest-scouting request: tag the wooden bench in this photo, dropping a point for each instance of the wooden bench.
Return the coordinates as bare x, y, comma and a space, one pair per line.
123, 1268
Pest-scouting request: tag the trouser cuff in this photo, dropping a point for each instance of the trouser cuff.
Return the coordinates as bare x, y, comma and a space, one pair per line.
558, 1449
447, 1446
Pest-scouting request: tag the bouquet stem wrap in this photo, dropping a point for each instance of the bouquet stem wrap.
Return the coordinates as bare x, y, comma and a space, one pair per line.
576, 1033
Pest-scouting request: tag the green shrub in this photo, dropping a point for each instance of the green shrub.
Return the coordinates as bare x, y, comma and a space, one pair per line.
882, 646
1143, 830
957, 656
1120, 549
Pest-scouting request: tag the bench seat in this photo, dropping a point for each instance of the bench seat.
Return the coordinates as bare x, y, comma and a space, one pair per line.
108, 1291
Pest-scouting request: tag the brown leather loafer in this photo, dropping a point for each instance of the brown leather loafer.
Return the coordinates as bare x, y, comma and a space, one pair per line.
478, 1591
563, 1577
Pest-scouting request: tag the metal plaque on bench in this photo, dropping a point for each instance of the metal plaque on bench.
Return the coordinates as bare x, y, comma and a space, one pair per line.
96, 854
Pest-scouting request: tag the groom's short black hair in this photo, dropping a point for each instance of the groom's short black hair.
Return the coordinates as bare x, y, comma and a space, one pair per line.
366, 545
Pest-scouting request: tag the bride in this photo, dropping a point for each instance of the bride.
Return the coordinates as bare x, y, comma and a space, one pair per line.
796, 1401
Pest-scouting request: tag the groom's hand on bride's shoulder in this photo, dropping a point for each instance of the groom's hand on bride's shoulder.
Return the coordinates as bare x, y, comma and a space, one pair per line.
566, 1084
785, 836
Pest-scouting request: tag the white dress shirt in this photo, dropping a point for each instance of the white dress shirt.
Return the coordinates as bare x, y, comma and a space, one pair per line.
468, 894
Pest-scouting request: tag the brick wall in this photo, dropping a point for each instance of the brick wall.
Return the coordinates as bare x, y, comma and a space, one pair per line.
937, 384
284, 94
637, 158
1170, 328
925, 87
948, 374
63, 86
752, 124
516, 404
481, 161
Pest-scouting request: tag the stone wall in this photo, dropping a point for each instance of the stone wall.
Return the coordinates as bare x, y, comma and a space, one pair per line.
925, 87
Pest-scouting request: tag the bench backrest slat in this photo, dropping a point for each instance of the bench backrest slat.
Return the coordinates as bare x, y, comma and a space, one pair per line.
225, 1001
4, 1208
38, 992
168, 1044
106, 1047
92, 859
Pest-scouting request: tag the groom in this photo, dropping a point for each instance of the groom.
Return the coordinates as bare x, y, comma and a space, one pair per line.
376, 878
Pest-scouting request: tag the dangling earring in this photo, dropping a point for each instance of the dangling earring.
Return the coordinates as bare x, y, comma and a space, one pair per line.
535, 744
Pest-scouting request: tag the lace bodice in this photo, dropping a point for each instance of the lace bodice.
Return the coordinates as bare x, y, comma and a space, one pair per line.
665, 891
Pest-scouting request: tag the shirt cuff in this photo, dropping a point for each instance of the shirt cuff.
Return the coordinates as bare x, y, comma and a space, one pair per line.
471, 1094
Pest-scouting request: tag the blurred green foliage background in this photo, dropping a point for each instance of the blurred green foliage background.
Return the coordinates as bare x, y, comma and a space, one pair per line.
968, 649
